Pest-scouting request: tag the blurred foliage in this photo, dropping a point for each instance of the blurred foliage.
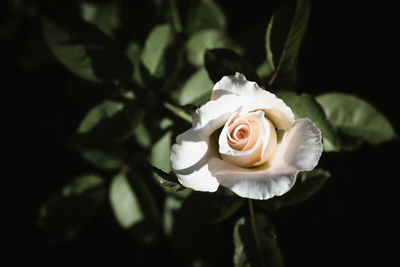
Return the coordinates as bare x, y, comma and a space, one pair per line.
135, 72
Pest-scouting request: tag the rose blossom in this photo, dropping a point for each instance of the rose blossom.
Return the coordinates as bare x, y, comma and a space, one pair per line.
246, 139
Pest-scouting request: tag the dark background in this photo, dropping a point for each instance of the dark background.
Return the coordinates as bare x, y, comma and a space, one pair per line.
349, 47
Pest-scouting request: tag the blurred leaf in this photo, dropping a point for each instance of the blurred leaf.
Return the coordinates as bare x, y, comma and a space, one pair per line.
133, 52
199, 42
356, 118
105, 110
221, 62
285, 33
86, 51
109, 122
63, 216
155, 48
142, 135
205, 14
168, 181
131, 201
264, 70
307, 184
304, 106
260, 249
197, 89
101, 159
105, 16
161, 151
124, 202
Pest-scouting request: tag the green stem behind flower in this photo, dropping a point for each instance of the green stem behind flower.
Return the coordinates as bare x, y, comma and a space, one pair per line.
253, 226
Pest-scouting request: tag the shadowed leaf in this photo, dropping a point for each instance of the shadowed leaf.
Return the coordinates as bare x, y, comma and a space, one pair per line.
86, 51
221, 62
256, 250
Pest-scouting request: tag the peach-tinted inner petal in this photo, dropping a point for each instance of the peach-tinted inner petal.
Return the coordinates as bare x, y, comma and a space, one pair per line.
243, 134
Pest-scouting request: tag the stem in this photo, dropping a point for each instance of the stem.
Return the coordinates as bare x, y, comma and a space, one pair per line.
178, 111
253, 226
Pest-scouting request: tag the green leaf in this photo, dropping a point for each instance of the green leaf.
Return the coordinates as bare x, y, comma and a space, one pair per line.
356, 118
196, 90
264, 70
221, 62
132, 201
199, 42
260, 249
205, 14
285, 33
307, 184
155, 49
304, 106
110, 121
64, 216
168, 181
161, 151
102, 159
142, 135
133, 52
105, 16
86, 51
107, 109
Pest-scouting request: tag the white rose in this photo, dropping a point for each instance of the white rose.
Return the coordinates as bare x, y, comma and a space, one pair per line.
246, 139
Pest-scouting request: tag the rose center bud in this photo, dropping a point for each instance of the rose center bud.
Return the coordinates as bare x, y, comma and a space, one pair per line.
248, 140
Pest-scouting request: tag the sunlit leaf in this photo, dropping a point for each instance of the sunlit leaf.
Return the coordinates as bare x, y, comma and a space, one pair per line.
199, 42
197, 89
131, 200
161, 151
259, 248
155, 49
205, 14
221, 62
307, 184
125, 204
86, 51
304, 106
285, 33
65, 215
356, 118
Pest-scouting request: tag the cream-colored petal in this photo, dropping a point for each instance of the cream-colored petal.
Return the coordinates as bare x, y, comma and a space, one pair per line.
191, 152
274, 108
189, 158
300, 150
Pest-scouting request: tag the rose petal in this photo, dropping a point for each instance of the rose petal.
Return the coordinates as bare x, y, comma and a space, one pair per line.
300, 150
275, 109
244, 158
191, 152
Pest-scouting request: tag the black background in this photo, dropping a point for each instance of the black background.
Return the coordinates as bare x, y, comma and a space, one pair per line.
350, 46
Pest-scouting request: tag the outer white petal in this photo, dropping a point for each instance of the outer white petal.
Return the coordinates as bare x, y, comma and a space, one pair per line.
275, 109
300, 150
190, 154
